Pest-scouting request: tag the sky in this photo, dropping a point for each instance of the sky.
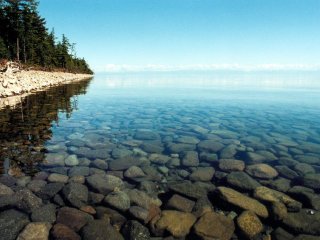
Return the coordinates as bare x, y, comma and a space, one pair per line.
137, 35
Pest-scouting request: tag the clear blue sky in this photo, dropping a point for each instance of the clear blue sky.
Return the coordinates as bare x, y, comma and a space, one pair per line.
188, 32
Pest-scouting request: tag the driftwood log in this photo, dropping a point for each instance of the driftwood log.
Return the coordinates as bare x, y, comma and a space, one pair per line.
9, 67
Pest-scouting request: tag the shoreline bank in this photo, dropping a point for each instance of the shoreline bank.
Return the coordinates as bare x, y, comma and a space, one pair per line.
15, 86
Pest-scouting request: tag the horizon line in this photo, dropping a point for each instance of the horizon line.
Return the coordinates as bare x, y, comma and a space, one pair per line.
127, 68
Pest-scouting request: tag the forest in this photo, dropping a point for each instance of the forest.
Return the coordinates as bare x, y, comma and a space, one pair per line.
24, 38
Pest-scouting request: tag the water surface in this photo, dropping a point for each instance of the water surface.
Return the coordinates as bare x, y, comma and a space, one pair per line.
177, 128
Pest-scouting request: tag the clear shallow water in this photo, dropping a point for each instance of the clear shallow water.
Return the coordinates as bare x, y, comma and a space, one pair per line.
176, 128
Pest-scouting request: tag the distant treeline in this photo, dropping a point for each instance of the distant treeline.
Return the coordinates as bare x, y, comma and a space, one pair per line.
25, 38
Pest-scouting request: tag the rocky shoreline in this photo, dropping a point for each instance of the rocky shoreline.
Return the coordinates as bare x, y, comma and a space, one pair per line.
15, 85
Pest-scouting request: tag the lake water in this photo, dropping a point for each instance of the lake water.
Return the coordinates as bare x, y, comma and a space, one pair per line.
184, 154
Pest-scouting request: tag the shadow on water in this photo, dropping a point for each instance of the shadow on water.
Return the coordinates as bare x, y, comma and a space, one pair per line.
25, 129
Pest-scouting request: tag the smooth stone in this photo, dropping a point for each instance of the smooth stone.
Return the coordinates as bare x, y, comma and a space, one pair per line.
278, 211
202, 206
123, 163
159, 158
114, 217
228, 152
306, 237
249, 224
71, 160
261, 170
303, 169
118, 200
180, 147
208, 157
23, 181
5, 190
27, 201
242, 181
214, 226
177, 223
133, 230
242, 201
35, 231
202, 174
188, 140
230, 165
210, 146
100, 230
54, 160
63, 232
76, 194
77, 179
92, 153
180, 203
312, 181
188, 189
56, 177
140, 213
50, 190
144, 134
8, 180
142, 199
134, 172
104, 183
164, 170
73, 218
303, 222
78, 171
281, 234
45, 213
121, 153
279, 184
99, 163
36, 185
286, 172
152, 147
190, 159
269, 195
11, 223
306, 196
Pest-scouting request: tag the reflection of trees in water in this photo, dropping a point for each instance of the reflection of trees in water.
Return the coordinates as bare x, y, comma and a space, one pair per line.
24, 130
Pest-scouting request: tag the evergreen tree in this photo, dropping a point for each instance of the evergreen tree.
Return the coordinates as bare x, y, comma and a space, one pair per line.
24, 37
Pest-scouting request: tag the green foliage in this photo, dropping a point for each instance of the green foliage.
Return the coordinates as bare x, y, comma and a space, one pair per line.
24, 37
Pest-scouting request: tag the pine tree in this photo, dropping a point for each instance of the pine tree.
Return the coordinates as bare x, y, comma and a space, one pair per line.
24, 37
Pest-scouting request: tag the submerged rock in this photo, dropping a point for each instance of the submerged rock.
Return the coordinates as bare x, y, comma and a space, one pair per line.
35, 231
303, 222
214, 226
261, 171
100, 230
270, 195
133, 230
204, 174
180, 203
46, 213
11, 223
190, 159
177, 223
240, 200
73, 218
188, 189
230, 165
63, 232
104, 183
242, 181
118, 200
249, 224
76, 194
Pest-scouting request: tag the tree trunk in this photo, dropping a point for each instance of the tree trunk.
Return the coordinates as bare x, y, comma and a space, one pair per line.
24, 51
18, 50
